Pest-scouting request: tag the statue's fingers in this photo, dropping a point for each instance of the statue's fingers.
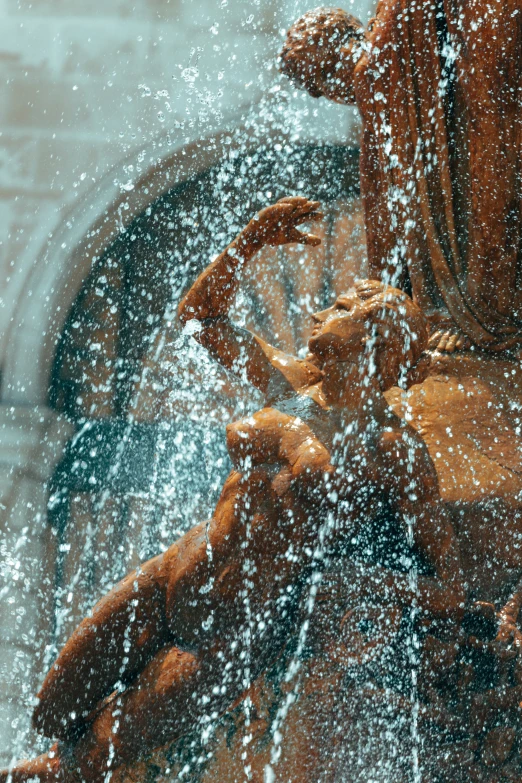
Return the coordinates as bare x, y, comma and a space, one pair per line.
280, 213
295, 201
302, 206
434, 339
284, 208
308, 208
272, 213
309, 217
443, 341
452, 343
309, 239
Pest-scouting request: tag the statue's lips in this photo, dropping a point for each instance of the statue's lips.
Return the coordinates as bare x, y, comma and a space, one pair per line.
316, 335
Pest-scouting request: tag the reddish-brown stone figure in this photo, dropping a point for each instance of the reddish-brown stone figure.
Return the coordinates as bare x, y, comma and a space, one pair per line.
179, 640
438, 87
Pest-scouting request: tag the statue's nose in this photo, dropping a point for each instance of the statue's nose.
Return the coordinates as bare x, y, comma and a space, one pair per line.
321, 316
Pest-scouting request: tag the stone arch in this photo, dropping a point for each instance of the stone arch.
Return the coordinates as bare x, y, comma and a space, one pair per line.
59, 260
52, 271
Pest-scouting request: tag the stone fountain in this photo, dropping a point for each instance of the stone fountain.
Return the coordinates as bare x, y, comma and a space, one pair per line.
350, 611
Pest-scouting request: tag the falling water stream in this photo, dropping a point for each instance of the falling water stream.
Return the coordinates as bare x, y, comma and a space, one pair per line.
190, 461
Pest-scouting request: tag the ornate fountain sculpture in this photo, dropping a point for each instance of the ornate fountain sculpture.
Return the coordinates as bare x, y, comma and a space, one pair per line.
188, 633
436, 86
392, 539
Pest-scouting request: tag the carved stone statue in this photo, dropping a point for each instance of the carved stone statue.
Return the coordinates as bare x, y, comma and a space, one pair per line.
438, 88
178, 641
381, 526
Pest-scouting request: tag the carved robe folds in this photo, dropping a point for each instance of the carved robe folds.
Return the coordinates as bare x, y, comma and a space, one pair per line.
439, 90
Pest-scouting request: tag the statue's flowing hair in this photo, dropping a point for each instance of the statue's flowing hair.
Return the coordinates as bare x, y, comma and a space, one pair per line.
398, 329
311, 49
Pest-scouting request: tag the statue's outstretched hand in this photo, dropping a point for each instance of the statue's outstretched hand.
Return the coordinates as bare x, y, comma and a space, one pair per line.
449, 341
277, 224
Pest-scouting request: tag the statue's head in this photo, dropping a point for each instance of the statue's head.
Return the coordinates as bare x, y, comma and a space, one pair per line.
319, 54
379, 327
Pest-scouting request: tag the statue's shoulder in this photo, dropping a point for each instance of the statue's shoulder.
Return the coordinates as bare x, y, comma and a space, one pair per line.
257, 437
266, 435
290, 371
262, 421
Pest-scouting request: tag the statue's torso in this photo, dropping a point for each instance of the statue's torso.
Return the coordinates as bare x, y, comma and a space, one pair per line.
283, 503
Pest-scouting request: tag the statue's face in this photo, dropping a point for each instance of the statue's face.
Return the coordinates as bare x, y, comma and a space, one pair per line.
341, 331
337, 87
321, 53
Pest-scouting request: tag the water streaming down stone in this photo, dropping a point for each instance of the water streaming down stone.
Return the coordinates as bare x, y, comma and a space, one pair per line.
336, 612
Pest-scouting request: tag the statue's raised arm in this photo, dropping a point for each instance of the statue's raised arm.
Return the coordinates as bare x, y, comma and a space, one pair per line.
212, 295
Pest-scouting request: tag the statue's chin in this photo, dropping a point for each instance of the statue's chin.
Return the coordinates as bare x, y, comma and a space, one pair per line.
312, 358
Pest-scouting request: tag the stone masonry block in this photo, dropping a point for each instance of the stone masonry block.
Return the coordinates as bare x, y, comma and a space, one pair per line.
67, 106
28, 43
121, 10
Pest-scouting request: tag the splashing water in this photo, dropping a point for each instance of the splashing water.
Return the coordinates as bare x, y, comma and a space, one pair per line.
172, 396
